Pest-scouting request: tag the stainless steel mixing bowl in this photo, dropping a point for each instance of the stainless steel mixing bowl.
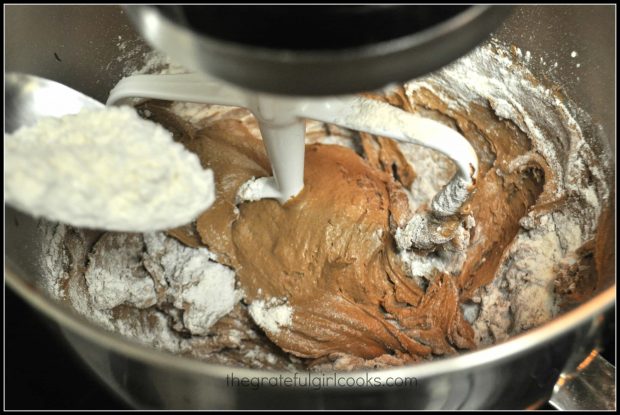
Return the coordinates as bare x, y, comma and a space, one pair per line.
79, 46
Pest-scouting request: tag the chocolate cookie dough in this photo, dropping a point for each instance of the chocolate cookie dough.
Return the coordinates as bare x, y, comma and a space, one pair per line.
325, 282
328, 253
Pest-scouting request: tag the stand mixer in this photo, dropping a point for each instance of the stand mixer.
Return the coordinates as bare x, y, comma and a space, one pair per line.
268, 61
149, 378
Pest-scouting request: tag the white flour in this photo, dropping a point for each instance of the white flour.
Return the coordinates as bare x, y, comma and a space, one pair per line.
116, 277
193, 282
105, 169
521, 295
64, 253
271, 315
143, 272
157, 63
251, 190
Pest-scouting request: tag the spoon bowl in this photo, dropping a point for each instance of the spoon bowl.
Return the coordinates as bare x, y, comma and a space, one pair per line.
86, 170
29, 98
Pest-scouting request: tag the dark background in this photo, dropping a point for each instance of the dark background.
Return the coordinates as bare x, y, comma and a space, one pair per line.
42, 373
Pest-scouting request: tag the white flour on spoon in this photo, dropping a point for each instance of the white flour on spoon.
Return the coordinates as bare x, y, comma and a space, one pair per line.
105, 169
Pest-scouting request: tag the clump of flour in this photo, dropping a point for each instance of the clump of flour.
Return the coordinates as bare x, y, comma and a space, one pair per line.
129, 277
191, 281
271, 315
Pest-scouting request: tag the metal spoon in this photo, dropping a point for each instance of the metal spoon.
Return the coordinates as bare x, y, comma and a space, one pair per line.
29, 99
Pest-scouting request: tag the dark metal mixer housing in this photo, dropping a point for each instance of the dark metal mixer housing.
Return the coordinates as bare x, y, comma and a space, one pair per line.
316, 50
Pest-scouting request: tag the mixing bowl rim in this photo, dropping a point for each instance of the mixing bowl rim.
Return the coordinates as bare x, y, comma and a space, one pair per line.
514, 346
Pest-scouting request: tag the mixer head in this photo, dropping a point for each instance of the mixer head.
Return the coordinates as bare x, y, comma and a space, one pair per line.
316, 50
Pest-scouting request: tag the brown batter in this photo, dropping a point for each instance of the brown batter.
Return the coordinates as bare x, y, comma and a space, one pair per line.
329, 251
502, 196
524, 247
